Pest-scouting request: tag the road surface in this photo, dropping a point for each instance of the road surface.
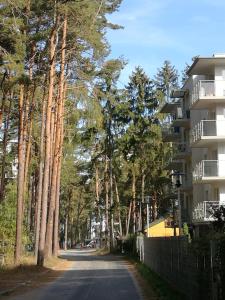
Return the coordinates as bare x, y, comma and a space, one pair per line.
90, 277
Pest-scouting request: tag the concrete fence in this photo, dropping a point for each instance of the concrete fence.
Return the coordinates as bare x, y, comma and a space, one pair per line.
176, 262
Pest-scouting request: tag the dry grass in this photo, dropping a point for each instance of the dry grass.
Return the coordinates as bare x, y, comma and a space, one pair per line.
28, 276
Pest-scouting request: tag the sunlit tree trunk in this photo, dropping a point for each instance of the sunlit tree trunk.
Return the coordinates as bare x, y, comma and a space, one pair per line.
111, 204
45, 188
56, 219
134, 199
128, 219
141, 219
56, 166
40, 177
20, 178
118, 205
106, 176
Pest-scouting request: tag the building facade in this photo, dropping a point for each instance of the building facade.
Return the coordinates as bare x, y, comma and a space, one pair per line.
196, 131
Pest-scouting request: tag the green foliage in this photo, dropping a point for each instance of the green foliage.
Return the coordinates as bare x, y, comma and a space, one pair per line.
8, 221
101, 122
166, 78
163, 290
136, 114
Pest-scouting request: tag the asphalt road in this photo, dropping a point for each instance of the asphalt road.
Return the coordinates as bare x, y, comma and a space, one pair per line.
90, 277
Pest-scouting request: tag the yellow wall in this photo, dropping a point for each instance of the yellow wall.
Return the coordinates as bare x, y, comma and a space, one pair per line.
160, 230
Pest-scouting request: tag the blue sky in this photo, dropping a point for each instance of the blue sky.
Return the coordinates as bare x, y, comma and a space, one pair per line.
156, 30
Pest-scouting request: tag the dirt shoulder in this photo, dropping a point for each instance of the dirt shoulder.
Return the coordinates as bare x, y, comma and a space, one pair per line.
28, 276
147, 291
152, 285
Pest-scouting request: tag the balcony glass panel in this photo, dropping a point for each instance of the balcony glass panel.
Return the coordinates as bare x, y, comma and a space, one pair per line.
208, 128
210, 168
208, 88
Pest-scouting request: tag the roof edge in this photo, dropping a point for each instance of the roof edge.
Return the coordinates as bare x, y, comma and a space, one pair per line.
192, 66
201, 58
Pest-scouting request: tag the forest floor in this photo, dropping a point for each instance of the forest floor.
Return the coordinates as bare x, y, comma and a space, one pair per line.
27, 276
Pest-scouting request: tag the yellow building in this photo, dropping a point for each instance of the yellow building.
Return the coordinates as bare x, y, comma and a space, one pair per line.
161, 227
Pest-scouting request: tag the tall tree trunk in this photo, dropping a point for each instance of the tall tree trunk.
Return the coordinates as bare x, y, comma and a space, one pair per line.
66, 233
134, 198
53, 130
106, 176
20, 178
141, 219
45, 188
40, 180
56, 216
52, 192
57, 153
111, 204
155, 206
29, 127
128, 219
27, 186
4, 149
118, 204
98, 201
56, 219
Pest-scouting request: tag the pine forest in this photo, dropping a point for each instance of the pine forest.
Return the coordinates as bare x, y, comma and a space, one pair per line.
79, 150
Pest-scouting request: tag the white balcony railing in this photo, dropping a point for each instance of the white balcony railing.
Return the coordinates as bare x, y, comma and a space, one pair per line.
207, 128
208, 88
209, 168
205, 211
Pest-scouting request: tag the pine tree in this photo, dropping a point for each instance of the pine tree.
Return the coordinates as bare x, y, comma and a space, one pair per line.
166, 78
141, 105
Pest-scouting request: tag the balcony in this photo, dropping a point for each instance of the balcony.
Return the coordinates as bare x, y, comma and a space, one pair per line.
181, 118
169, 107
181, 151
205, 211
171, 134
209, 171
206, 132
175, 165
178, 93
207, 93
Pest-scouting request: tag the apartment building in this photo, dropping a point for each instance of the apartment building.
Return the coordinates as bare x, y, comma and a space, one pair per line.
196, 131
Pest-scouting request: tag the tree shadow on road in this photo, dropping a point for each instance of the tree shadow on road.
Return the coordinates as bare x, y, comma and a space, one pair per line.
19, 279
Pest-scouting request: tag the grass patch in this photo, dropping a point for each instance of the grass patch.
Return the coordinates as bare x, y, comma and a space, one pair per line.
163, 290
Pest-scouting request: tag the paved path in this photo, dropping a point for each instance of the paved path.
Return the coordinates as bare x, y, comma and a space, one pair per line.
90, 277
